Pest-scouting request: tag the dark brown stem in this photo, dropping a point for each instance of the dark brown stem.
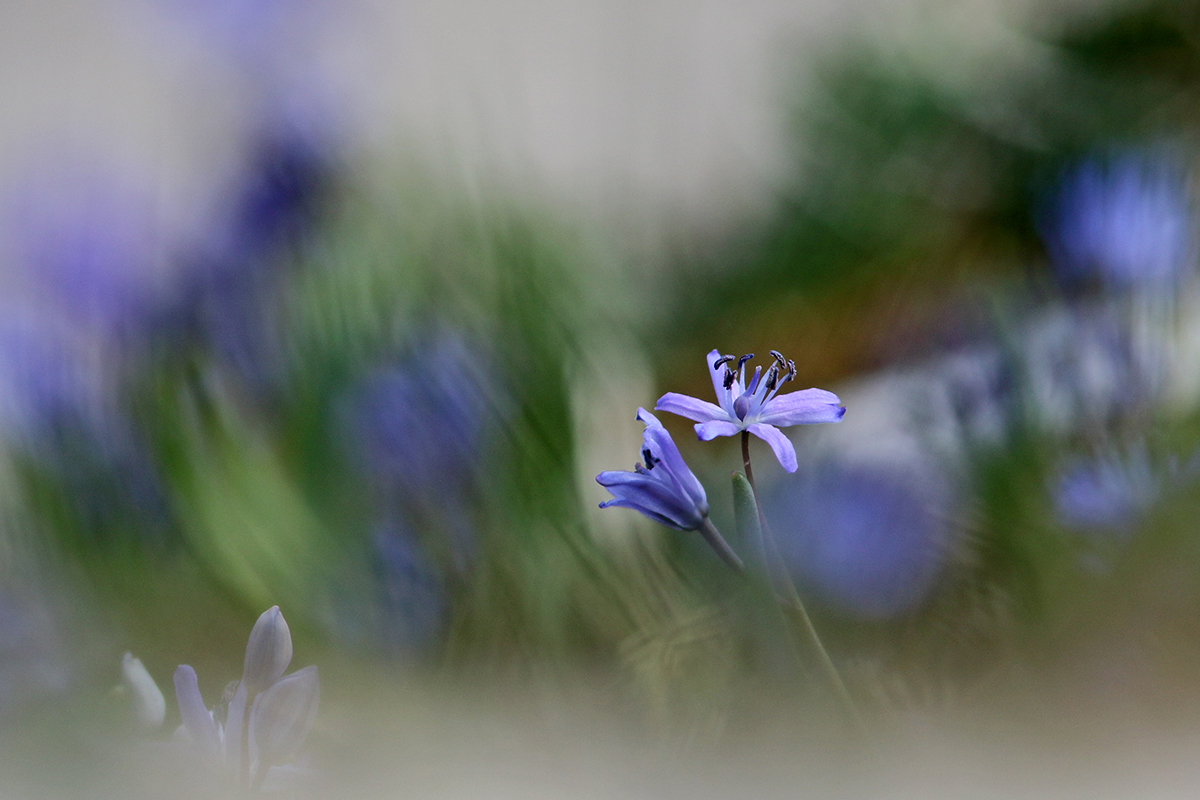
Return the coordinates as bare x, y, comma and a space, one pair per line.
746, 463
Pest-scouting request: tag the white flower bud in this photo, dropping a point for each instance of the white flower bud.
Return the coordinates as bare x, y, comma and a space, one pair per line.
282, 716
268, 652
149, 705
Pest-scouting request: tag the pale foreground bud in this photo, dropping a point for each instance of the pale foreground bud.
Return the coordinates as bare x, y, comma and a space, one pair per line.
268, 652
149, 705
282, 716
196, 719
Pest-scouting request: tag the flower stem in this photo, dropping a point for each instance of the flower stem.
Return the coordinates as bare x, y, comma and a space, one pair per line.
718, 543
244, 771
791, 600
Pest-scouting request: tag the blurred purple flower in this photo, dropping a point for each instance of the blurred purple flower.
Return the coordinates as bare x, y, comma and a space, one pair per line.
1129, 222
418, 426
56, 411
264, 35
870, 540
92, 246
664, 489
226, 298
413, 602
755, 406
1107, 493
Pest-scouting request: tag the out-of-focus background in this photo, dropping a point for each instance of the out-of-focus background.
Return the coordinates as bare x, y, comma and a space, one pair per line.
341, 306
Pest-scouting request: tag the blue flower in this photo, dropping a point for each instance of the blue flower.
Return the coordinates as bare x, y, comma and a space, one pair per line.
413, 600
754, 406
225, 299
90, 242
868, 539
418, 426
1129, 223
1107, 493
664, 489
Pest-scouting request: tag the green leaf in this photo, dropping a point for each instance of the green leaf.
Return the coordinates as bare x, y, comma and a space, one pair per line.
745, 511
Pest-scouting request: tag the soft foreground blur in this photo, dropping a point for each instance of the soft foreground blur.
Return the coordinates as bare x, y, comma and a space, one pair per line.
337, 311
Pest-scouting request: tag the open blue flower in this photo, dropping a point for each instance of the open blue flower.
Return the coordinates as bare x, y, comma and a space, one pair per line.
664, 489
754, 406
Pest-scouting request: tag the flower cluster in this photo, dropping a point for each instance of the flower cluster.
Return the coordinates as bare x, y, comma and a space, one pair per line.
280, 708
664, 488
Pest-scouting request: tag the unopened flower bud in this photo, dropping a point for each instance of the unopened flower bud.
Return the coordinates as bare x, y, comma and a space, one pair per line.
149, 705
268, 652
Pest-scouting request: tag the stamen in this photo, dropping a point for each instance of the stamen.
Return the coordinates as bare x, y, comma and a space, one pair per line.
772, 377
791, 371
742, 361
722, 360
649, 457
729, 376
775, 354
754, 381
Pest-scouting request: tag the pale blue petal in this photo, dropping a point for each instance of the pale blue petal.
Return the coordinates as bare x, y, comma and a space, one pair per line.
196, 719
718, 379
651, 496
780, 444
654, 515
707, 431
233, 726
648, 419
690, 407
662, 447
805, 407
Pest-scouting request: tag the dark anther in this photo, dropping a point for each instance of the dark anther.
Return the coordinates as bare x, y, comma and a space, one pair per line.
775, 354
791, 365
650, 459
729, 376
742, 361
722, 360
772, 377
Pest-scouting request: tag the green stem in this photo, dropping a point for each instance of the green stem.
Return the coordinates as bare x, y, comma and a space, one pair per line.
791, 599
714, 538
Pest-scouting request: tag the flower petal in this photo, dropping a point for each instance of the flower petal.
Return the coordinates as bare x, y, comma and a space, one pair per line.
707, 431
150, 707
281, 716
724, 396
654, 515
268, 652
780, 444
805, 407
662, 447
196, 719
233, 726
658, 498
691, 407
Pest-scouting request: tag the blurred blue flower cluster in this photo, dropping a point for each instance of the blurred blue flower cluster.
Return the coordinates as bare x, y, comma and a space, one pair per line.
418, 426
1127, 222
870, 540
